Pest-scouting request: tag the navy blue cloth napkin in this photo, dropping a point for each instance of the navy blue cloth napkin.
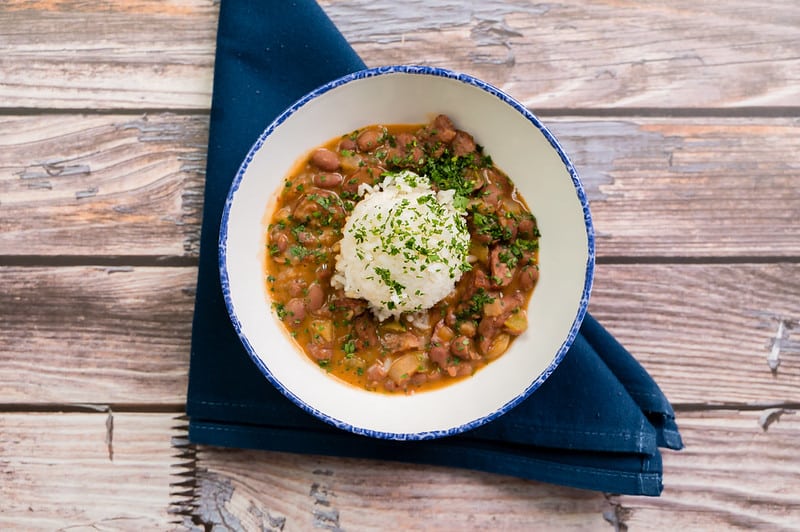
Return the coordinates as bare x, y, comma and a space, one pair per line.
596, 423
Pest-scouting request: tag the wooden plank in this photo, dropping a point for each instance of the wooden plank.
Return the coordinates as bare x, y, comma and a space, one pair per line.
731, 475
149, 54
704, 489
689, 186
704, 331
88, 334
58, 474
277, 491
92, 185
109, 54
593, 54
100, 185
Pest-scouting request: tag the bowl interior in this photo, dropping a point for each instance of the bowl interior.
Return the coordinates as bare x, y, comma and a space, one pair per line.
518, 144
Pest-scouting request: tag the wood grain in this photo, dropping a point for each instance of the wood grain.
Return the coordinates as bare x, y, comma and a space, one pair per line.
704, 332
731, 475
58, 475
71, 54
120, 55
704, 489
681, 118
689, 186
680, 187
88, 334
101, 184
593, 54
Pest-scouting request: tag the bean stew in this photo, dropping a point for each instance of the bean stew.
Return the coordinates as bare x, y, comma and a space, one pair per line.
470, 327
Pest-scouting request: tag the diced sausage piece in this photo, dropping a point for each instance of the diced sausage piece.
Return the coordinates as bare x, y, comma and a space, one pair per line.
406, 152
463, 144
366, 336
418, 379
443, 128
366, 175
509, 225
319, 206
526, 228
489, 327
327, 179
438, 134
351, 307
440, 344
307, 238
491, 194
481, 280
439, 355
398, 342
502, 273
324, 273
295, 310
464, 369
376, 372
316, 297
325, 160
368, 140
320, 351
297, 287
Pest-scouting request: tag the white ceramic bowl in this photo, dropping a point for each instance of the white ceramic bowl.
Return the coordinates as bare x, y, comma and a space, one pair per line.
518, 143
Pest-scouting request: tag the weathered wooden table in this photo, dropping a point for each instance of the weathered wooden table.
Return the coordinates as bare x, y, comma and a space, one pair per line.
683, 120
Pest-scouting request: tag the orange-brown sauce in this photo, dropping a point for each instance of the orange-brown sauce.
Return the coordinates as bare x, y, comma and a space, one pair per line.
473, 325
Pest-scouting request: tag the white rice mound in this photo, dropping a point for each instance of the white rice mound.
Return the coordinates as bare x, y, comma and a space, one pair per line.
404, 246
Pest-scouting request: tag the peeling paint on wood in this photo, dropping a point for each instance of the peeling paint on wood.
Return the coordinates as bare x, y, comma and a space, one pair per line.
212, 494
771, 416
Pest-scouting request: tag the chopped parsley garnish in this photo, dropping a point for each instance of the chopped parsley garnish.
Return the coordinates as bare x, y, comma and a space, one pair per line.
488, 224
449, 172
386, 277
280, 310
476, 303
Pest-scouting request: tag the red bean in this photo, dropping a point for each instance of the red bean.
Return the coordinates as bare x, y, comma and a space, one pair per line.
316, 297
462, 347
347, 144
368, 140
327, 179
295, 310
528, 276
325, 159
281, 240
